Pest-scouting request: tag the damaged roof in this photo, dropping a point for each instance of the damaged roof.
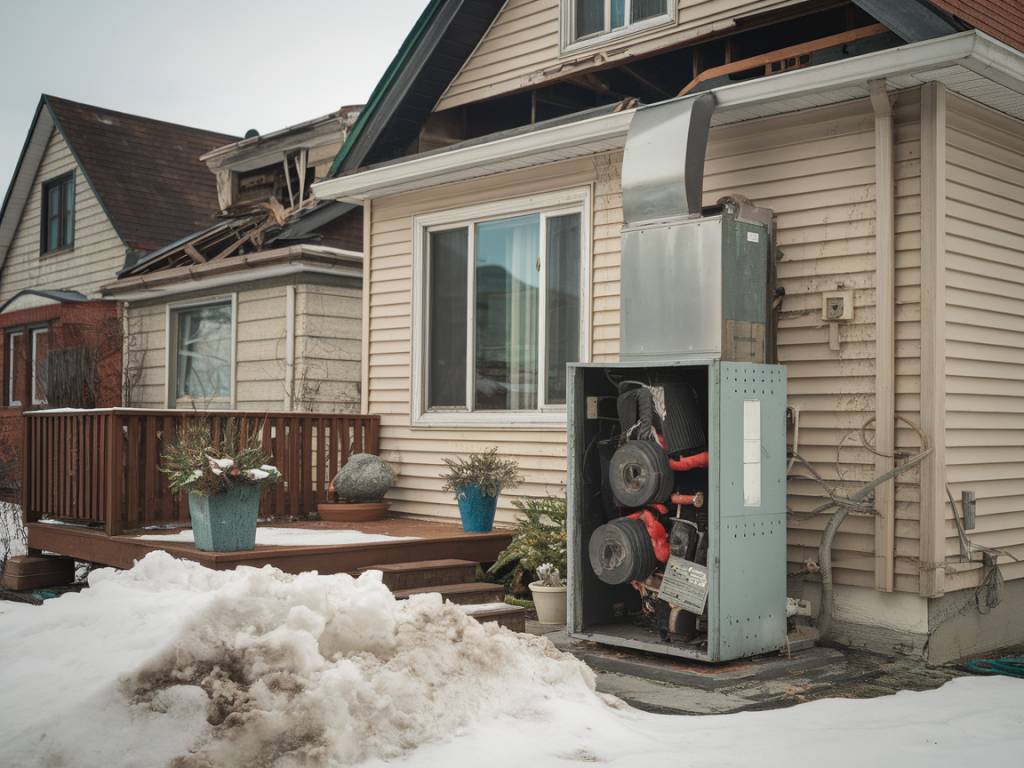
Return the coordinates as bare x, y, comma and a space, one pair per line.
146, 173
448, 31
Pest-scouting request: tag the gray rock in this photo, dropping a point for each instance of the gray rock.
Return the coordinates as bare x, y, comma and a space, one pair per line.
364, 478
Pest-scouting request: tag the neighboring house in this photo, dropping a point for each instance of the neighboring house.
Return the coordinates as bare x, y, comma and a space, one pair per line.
260, 310
889, 140
92, 189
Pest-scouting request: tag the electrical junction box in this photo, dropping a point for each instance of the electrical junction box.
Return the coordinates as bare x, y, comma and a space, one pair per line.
733, 603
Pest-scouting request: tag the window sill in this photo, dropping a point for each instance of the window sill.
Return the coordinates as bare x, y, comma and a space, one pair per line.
554, 420
57, 252
624, 33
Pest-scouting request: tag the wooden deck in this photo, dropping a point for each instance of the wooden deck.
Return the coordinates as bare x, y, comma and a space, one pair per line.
433, 541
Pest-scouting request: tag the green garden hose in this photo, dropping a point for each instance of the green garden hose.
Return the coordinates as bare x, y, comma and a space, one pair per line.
1012, 666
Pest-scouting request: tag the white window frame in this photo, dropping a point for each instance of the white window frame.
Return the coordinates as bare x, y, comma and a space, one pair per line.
12, 402
576, 200
171, 351
36, 333
570, 44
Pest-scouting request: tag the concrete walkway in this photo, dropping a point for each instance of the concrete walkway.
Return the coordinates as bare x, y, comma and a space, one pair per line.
671, 686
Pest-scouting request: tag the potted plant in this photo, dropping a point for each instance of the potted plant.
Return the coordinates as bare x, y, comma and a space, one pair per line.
476, 481
359, 489
223, 482
538, 548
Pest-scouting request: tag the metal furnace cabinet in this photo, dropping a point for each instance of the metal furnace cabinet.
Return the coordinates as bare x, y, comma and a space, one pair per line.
745, 611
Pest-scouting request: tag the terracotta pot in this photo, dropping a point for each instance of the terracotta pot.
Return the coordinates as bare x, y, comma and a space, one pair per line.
549, 602
338, 512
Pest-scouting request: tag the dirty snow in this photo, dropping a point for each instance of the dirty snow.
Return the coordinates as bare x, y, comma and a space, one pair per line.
292, 537
173, 664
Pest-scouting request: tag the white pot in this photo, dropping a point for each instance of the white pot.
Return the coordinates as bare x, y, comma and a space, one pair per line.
549, 602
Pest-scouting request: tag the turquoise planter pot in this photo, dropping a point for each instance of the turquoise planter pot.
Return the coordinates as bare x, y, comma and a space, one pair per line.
476, 509
225, 522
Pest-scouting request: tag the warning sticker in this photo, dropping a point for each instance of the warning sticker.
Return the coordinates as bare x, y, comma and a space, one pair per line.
685, 585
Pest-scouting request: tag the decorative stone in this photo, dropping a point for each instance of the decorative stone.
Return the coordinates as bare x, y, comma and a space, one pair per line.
364, 478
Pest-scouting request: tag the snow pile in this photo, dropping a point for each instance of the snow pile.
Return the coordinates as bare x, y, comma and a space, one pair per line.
292, 537
256, 667
174, 664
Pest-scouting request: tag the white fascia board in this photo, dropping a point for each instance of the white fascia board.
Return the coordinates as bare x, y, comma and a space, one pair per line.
974, 50
23, 183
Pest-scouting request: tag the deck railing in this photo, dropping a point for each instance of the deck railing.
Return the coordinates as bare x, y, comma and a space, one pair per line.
102, 466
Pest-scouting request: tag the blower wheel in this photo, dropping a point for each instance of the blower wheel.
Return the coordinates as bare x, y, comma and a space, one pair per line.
639, 474
621, 551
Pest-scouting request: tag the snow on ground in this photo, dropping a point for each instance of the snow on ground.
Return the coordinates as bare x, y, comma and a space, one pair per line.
173, 664
293, 537
13, 538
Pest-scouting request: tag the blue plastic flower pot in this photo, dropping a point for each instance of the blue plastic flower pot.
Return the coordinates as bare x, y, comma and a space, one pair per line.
476, 509
225, 522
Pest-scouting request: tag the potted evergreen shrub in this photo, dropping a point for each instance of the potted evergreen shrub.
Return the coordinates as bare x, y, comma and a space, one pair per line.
538, 548
477, 480
223, 482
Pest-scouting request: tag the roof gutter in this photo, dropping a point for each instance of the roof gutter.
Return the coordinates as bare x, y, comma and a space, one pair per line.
282, 262
840, 81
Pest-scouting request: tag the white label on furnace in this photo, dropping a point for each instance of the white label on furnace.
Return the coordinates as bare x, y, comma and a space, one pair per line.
753, 237
751, 453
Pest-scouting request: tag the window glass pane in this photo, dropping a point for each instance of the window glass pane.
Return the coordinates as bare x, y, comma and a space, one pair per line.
563, 302
506, 303
53, 218
68, 231
618, 13
589, 17
448, 260
204, 352
647, 9
40, 349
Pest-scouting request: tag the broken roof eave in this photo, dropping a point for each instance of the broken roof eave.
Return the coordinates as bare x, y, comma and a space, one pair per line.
943, 59
280, 262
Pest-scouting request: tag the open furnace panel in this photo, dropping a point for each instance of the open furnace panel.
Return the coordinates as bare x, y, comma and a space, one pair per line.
676, 516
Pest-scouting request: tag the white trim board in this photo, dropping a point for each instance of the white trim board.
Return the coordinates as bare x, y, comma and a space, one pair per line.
971, 64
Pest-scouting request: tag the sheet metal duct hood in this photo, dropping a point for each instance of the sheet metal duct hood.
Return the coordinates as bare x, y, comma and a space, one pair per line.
693, 286
663, 164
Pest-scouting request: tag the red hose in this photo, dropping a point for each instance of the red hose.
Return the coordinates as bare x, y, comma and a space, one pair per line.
657, 532
683, 463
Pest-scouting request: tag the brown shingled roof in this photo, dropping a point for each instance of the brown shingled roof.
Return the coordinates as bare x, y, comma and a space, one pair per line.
1002, 19
145, 172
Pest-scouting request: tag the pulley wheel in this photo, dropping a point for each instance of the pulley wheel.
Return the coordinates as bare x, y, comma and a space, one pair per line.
621, 551
639, 474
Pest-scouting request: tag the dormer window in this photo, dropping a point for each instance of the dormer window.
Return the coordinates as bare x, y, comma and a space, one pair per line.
587, 21
58, 214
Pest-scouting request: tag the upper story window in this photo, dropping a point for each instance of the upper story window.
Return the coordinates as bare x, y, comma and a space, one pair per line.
502, 302
585, 21
58, 213
202, 358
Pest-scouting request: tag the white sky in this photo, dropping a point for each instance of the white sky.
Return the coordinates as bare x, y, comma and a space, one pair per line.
223, 65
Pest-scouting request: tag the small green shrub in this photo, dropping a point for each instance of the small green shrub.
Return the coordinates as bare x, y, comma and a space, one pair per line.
492, 473
539, 538
192, 463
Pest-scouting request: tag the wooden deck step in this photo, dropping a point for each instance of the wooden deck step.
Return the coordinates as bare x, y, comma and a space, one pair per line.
511, 616
425, 573
37, 571
463, 594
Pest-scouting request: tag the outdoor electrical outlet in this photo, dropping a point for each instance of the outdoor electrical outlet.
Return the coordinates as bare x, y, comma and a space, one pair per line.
837, 306
592, 407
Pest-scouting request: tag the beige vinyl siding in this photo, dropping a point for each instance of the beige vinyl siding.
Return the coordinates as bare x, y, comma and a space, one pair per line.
328, 329
985, 326
98, 252
521, 48
816, 170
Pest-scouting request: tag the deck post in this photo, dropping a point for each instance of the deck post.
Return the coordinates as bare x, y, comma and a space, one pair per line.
114, 471
27, 515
